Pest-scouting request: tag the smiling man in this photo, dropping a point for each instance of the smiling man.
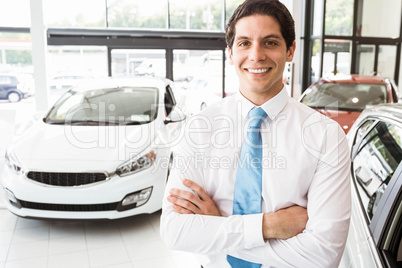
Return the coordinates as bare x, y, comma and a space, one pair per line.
266, 180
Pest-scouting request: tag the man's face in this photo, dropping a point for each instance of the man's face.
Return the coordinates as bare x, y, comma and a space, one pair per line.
259, 56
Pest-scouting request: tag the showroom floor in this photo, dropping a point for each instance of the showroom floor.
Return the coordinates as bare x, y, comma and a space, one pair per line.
131, 242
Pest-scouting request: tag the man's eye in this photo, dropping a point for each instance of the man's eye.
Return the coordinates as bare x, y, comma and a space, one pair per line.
270, 43
242, 44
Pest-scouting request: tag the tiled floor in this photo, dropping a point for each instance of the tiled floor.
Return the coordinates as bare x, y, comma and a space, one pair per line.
132, 242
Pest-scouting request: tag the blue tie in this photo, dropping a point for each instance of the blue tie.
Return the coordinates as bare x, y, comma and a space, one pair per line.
248, 187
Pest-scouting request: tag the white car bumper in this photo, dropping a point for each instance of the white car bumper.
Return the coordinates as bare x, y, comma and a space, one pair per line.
101, 200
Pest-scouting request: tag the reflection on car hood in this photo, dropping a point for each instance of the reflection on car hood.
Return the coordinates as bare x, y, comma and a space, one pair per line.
344, 118
81, 148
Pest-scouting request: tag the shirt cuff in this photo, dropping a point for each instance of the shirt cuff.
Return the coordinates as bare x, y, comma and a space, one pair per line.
253, 230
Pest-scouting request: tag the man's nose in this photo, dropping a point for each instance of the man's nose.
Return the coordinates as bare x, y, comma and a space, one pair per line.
257, 53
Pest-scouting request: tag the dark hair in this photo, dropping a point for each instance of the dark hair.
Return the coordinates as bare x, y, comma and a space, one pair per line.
272, 8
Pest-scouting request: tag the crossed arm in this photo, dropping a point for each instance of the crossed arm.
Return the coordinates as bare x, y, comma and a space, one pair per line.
282, 224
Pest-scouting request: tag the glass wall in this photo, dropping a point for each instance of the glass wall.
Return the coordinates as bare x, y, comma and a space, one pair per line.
231, 5
195, 15
199, 74
339, 17
337, 57
318, 16
15, 13
365, 59
386, 61
151, 14
379, 19
137, 14
360, 37
139, 62
74, 13
15, 52
315, 60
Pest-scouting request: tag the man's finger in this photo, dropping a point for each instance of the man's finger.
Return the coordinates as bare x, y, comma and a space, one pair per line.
191, 197
183, 203
196, 188
181, 210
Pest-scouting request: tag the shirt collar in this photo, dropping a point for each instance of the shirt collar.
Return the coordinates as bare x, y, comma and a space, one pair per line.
272, 107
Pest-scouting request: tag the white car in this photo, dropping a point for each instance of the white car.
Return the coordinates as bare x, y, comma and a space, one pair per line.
375, 233
101, 152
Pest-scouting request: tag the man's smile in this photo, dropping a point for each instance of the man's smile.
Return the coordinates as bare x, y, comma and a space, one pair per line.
258, 71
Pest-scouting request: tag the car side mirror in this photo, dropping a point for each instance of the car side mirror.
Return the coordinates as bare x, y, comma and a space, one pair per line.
176, 115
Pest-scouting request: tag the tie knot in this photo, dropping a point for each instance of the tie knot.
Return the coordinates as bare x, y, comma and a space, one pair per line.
256, 116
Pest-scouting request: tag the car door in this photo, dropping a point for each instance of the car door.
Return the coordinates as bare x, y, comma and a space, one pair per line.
3, 92
386, 225
378, 151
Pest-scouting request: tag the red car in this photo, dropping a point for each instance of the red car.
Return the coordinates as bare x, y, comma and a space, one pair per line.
343, 98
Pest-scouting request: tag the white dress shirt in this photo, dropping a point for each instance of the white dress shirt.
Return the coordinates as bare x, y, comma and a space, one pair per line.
306, 162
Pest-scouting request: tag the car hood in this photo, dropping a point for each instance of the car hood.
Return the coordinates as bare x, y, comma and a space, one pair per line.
344, 118
80, 148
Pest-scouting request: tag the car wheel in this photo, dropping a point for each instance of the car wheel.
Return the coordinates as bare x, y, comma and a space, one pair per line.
13, 97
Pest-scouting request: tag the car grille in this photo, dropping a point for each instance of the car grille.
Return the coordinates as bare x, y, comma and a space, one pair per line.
68, 207
66, 179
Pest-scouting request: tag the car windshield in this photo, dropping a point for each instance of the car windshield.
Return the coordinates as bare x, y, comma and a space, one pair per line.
116, 106
344, 96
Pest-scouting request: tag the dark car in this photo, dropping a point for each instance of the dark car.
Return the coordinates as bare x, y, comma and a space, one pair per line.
11, 93
14, 87
343, 98
375, 231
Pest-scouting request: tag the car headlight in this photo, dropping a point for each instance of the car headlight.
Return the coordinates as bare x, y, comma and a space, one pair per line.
12, 162
136, 164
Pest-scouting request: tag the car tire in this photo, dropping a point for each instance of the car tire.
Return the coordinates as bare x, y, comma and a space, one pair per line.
13, 97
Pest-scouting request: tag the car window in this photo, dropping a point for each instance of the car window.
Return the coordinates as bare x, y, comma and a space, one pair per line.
170, 102
391, 244
8, 80
345, 96
361, 131
376, 160
124, 105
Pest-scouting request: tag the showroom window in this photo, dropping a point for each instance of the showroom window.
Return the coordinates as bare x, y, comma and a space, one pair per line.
137, 14
91, 13
379, 20
378, 156
231, 5
365, 59
372, 31
15, 52
337, 57
317, 18
15, 13
339, 17
386, 60
195, 15
139, 62
315, 60
200, 73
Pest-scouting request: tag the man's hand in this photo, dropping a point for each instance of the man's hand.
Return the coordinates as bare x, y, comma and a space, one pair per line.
185, 202
284, 223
